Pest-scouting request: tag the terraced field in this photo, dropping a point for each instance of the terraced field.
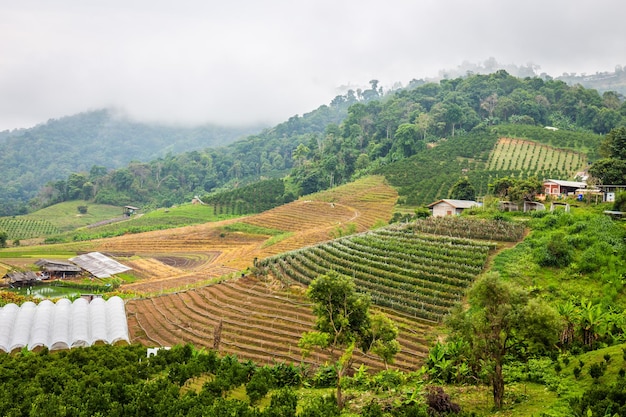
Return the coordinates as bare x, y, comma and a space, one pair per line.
260, 320
363, 203
420, 274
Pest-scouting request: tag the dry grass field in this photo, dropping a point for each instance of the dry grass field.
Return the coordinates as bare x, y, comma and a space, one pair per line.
260, 320
189, 256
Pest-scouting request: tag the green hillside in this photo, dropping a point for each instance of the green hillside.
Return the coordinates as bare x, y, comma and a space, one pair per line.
448, 128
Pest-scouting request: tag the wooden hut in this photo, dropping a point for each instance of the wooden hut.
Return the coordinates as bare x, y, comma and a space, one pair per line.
22, 279
130, 210
57, 268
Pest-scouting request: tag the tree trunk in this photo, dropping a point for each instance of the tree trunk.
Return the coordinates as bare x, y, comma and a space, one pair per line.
339, 394
498, 386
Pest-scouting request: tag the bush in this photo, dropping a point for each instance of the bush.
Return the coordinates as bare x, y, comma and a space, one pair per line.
557, 252
283, 403
321, 407
596, 370
599, 399
325, 377
260, 384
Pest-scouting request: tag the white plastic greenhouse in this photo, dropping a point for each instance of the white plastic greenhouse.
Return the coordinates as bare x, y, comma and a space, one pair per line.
63, 325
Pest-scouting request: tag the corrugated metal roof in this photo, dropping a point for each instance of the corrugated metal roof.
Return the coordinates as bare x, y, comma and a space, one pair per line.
57, 265
99, 265
577, 184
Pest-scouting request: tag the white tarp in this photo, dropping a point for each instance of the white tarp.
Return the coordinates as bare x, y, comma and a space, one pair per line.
63, 325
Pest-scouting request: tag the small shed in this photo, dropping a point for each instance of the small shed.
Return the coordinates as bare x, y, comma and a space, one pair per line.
57, 268
557, 187
99, 265
22, 279
508, 206
130, 210
448, 207
555, 205
533, 206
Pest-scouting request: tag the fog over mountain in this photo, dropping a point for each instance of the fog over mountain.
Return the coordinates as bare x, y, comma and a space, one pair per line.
246, 62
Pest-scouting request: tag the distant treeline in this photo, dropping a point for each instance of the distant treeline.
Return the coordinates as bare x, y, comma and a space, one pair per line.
435, 132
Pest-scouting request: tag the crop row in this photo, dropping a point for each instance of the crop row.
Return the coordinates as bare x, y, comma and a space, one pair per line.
439, 246
383, 291
526, 155
254, 320
467, 227
422, 275
25, 228
458, 270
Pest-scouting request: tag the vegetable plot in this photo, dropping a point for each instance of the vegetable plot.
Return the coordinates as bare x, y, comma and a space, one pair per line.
423, 275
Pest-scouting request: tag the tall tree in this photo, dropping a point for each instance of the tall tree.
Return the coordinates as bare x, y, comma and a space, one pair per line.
502, 320
463, 190
343, 323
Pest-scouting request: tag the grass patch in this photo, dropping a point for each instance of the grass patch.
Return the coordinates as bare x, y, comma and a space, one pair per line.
520, 399
252, 229
161, 219
275, 239
36, 252
65, 216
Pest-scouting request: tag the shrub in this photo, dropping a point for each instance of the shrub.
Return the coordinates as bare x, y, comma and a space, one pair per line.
325, 377
283, 403
260, 384
596, 370
557, 252
321, 407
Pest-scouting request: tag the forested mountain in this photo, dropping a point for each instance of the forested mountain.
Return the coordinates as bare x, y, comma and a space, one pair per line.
462, 117
51, 151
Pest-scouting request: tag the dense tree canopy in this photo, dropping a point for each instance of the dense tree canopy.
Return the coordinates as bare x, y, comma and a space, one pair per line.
360, 132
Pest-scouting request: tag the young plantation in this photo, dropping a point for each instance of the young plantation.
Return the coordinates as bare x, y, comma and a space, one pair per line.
420, 274
26, 228
535, 159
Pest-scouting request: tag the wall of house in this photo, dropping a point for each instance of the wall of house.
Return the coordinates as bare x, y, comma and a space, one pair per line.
443, 209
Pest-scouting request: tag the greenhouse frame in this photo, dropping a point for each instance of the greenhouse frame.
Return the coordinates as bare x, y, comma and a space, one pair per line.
63, 325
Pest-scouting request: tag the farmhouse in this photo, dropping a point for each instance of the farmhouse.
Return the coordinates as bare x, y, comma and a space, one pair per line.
556, 188
447, 207
57, 268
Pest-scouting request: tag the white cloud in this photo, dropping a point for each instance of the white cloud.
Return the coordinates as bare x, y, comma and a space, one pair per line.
247, 61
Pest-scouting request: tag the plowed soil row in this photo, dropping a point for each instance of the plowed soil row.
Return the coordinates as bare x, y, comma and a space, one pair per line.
258, 323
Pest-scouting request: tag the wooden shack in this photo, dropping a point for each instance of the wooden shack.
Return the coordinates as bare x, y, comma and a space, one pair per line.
130, 210
57, 268
22, 279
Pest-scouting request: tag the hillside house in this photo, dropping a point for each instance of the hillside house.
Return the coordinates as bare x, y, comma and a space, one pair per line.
57, 268
557, 188
99, 265
447, 207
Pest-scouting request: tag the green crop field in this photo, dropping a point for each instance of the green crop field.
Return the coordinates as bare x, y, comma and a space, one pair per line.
534, 159
65, 216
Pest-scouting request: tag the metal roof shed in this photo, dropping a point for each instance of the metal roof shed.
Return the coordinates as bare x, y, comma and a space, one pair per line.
99, 265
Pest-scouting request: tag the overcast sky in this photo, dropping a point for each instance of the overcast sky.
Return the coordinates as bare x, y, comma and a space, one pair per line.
250, 61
